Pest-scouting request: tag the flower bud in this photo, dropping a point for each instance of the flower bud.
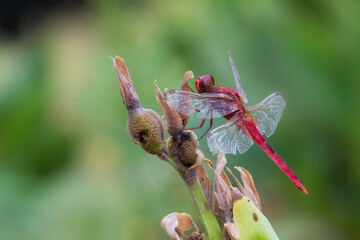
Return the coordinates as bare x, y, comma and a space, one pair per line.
183, 148
128, 94
185, 87
174, 123
144, 126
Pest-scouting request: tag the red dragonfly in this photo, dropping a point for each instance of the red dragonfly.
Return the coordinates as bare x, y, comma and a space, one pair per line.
245, 125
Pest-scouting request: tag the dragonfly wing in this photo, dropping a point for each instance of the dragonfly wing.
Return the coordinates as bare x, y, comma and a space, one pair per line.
267, 113
238, 86
229, 138
206, 105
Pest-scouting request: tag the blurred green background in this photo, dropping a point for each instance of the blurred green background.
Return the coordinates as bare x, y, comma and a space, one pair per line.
68, 168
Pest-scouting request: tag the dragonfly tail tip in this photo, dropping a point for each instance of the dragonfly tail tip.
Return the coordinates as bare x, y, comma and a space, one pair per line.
303, 189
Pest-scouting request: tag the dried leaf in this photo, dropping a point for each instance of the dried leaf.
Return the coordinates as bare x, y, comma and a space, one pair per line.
175, 222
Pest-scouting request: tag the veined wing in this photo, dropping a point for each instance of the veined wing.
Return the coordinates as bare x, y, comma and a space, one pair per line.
206, 105
267, 113
238, 86
230, 137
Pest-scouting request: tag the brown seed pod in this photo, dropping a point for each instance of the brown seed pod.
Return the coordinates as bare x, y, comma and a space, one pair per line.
146, 128
183, 148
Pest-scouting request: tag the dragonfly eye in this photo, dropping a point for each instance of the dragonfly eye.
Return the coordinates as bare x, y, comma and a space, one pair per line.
211, 81
205, 83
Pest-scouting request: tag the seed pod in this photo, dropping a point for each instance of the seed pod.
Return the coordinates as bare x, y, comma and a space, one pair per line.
146, 128
183, 148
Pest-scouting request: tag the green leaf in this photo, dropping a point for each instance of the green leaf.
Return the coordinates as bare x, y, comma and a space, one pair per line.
250, 223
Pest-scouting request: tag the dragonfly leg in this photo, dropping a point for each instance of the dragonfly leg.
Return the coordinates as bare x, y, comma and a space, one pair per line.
201, 124
211, 123
190, 89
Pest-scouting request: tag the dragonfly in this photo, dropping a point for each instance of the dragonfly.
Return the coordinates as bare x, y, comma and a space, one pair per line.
245, 125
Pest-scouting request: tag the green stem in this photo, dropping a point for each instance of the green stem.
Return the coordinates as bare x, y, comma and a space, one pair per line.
207, 216
163, 155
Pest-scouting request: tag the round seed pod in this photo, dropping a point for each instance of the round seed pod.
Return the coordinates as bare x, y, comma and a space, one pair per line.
183, 148
146, 128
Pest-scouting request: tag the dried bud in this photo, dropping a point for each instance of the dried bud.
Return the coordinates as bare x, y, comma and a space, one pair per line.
182, 148
128, 94
174, 123
144, 126
185, 87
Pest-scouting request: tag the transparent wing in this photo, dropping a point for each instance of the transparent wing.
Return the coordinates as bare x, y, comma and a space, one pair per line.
206, 105
238, 86
267, 113
229, 138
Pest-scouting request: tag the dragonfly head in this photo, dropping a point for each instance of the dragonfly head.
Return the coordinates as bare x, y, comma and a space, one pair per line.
205, 83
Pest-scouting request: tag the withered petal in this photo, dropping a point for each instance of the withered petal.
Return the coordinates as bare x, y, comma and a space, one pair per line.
249, 186
220, 164
205, 183
209, 163
242, 190
128, 94
191, 174
175, 222
216, 208
235, 195
173, 121
231, 230
185, 87
222, 190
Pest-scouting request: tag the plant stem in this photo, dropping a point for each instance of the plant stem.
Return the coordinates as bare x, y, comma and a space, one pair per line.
207, 216
163, 155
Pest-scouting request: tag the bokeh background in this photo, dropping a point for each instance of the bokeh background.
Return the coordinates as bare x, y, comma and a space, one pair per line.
68, 168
